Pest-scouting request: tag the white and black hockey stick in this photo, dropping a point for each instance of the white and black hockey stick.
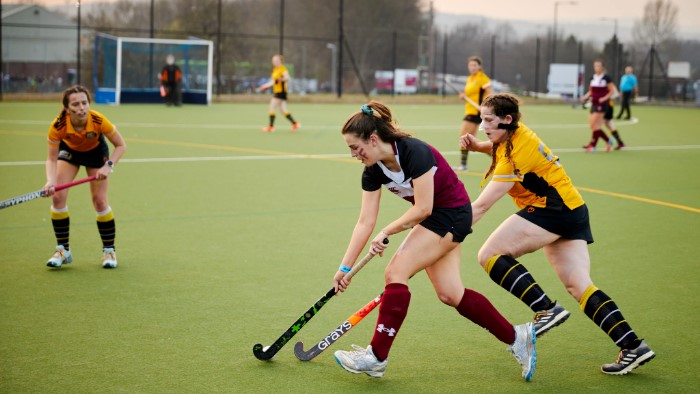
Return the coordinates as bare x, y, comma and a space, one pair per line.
331, 338
40, 193
267, 352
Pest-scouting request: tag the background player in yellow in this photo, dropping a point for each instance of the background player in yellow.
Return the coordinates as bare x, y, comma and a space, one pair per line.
477, 87
278, 81
77, 138
554, 218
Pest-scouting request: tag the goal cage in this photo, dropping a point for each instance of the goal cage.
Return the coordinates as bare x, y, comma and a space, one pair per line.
127, 69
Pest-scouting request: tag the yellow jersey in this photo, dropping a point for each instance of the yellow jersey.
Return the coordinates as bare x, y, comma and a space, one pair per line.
474, 90
540, 180
61, 129
279, 86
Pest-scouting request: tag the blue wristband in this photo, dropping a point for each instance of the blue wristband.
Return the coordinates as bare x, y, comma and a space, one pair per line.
345, 268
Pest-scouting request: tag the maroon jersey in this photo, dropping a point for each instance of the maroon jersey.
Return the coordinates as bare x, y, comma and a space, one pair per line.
415, 158
599, 87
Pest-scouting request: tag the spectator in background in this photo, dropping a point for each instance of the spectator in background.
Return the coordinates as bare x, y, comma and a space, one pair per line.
628, 86
171, 82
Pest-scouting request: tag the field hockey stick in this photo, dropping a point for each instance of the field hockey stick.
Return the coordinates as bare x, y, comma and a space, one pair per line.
334, 335
40, 193
466, 98
267, 352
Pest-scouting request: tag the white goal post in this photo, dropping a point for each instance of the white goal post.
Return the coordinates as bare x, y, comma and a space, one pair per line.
126, 69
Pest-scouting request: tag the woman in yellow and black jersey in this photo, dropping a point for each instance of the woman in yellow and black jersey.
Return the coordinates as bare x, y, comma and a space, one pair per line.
477, 87
77, 137
278, 83
552, 217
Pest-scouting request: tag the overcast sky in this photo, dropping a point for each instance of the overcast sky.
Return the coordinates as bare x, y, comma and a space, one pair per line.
539, 11
625, 11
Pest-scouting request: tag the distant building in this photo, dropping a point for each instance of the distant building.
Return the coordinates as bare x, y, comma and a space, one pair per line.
39, 48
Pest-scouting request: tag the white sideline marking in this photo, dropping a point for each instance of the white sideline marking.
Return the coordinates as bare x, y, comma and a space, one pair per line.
320, 156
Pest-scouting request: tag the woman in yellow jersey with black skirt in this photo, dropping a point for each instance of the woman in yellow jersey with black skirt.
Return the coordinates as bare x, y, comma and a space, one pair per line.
278, 83
552, 217
477, 87
77, 138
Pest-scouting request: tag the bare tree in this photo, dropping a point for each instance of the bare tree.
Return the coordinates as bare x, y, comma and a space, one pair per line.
658, 25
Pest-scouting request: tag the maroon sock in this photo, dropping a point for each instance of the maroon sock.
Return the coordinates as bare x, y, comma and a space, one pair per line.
596, 136
478, 309
392, 313
604, 137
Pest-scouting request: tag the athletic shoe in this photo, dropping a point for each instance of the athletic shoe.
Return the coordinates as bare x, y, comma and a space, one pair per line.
60, 257
361, 360
295, 126
109, 258
628, 360
461, 167
524, 349
589, 148
268, 129
550, 318
619, 146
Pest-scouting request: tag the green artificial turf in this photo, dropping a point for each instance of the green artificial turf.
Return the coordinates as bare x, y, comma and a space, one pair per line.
226, 235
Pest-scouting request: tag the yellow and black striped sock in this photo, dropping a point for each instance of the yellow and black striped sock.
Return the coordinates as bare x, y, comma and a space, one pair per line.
464, 154
272, 119
515, 278
605, 313
60, 219
289, 116
107, 228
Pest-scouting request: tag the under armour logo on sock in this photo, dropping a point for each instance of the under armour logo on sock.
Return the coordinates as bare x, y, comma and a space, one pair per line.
391, 331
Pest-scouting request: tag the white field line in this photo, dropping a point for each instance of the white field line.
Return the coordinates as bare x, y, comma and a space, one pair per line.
322, 156
455, 126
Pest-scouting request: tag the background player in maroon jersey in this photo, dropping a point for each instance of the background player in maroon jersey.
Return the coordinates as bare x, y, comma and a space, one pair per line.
600, 90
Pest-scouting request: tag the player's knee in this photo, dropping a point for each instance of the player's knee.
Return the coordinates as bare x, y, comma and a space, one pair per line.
484, 255
449, 299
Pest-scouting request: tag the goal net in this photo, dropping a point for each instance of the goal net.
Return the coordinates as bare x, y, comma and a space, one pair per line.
127, 69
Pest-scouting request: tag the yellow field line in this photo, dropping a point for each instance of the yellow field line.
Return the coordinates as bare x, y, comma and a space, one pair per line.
239, 149
641, 199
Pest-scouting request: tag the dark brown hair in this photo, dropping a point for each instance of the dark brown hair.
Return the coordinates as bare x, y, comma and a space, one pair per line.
503, 104
74, 89
374, 117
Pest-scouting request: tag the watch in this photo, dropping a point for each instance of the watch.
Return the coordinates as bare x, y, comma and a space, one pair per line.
110, 163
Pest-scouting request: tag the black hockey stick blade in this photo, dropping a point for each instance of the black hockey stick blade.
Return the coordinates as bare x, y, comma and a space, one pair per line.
266, 353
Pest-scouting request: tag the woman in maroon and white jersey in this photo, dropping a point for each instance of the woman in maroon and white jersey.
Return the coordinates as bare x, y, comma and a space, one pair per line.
437, 222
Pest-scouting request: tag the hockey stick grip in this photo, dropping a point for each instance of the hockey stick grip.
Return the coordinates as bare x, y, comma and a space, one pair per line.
357, 267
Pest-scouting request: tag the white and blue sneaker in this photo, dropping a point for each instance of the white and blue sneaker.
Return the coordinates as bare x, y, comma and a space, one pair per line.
109, 258
361, 360
60, 257
524, 349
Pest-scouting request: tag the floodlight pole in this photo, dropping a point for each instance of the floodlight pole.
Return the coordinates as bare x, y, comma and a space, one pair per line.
334, 49
554, 31
281, 27
77, 67
339, 89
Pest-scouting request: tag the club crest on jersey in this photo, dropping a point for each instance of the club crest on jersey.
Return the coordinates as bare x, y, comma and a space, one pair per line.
64, 154
391, 331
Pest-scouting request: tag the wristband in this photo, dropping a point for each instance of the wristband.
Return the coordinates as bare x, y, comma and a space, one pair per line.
345, 268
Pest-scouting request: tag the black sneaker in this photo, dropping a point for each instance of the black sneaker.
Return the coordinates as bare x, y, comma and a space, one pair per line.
547, 319
628, 360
